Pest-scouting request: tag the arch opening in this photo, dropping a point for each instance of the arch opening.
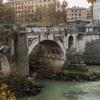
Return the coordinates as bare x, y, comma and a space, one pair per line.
70, 42
47, 54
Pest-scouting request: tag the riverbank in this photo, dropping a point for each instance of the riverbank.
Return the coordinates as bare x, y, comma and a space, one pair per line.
22, 86
70, 74
29, 86
56, 74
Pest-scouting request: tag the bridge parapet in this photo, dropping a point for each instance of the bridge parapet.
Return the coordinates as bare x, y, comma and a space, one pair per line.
45, 29
89, 30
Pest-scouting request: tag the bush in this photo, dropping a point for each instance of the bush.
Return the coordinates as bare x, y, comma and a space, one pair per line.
6, 94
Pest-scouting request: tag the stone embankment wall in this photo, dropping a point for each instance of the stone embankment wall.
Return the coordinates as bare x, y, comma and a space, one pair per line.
89, 45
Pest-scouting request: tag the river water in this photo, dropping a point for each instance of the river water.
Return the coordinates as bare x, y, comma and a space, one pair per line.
60, 90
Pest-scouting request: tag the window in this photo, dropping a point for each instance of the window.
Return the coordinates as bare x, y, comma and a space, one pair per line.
75, 14
13, 4
75, 10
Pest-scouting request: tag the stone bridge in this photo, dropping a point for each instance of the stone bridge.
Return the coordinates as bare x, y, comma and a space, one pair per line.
50, 44
53, 45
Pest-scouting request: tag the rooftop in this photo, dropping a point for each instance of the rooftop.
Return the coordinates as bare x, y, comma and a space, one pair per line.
76, 8
19, 0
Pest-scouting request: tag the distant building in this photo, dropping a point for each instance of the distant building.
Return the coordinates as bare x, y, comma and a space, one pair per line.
96, 11
24, 7
89, 13
77, 13
1, 1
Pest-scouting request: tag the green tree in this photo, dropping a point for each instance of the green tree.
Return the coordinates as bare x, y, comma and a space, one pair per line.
6, 14
48, 15
28, 14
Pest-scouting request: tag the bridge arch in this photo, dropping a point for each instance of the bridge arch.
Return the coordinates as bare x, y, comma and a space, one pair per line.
70, 42
4, 65
49, 53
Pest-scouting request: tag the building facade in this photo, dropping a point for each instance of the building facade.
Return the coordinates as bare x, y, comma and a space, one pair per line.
96, 11
77, 13
24, 8
1, 1
89, 13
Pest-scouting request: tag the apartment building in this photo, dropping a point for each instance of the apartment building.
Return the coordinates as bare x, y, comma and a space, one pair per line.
89, 13
77, 13
96, 11
23, 8
1, 1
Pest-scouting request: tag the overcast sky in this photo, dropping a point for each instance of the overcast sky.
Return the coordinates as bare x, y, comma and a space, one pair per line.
80, 3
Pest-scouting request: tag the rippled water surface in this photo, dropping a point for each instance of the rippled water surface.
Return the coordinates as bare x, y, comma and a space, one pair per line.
59, 90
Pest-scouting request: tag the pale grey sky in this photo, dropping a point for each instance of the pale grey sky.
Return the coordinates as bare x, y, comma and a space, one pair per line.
80, 3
